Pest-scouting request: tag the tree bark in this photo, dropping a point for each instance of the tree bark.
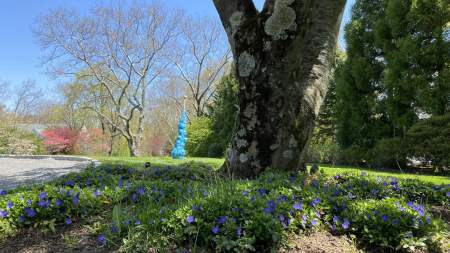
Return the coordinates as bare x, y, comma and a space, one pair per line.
283, 57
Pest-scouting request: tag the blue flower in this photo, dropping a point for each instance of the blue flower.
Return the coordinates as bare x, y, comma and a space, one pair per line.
428, 220
384, 217
281, 218
141, 191
43, 203
215, 230
395, 222
222, 219
42, 195
298, 206
345, 224
314, 222
239, 231
374, 192
76, 199
21, 218
190, 219
245, 193
4, 214
351, 196
270, 207
315, 202
448, 194
96, 193
68, 221
262, 192
9, 205
58, 202
137, 222
304, 219
3, 192
335, 219
114, 229
69, 183
30, 212
134, 197
101, 239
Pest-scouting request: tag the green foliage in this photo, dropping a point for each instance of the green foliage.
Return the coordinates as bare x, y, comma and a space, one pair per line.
429, 140
223, 114
397, 67
325, 151
167, 208
200, 137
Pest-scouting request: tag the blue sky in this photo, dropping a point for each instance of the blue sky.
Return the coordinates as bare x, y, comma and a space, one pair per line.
20, 55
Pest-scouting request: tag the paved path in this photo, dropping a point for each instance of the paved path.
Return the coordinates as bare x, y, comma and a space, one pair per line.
14, 172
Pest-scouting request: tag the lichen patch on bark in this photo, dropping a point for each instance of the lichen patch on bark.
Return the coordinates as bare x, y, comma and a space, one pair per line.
282, 20
235, 21
246, 64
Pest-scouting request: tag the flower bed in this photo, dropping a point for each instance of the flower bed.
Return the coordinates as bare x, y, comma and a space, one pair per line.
191, 207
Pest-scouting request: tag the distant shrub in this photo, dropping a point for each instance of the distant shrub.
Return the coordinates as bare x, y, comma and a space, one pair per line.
200, 137
388, 153
16, 142
355, 155
326, 151
216, 150
429, 140
60, 140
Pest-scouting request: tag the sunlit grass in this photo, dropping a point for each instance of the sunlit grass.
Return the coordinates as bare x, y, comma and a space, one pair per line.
216, 163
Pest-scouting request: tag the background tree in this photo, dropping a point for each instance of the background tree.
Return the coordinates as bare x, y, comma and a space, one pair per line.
283, 57
202, 56
396, 73
120, 47
26, 99
223, 114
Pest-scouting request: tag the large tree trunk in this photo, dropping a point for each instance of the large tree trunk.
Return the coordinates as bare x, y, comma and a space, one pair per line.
283, 58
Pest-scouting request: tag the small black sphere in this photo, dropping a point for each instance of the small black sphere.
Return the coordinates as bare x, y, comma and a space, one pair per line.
147, 165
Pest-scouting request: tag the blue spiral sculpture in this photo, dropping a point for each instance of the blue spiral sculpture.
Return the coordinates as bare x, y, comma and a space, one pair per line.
178, 151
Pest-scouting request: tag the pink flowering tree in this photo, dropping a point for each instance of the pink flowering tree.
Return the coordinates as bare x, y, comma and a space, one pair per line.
60, 140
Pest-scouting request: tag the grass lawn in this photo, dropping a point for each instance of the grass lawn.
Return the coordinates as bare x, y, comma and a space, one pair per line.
216, 163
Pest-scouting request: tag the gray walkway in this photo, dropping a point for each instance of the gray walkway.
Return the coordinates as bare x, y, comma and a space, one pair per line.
14, 171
